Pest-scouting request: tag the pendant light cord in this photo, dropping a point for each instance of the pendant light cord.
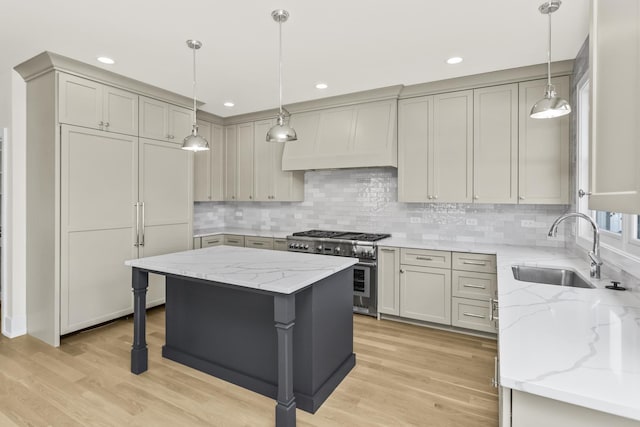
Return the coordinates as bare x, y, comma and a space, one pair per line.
280, 62
549, 49
194, 85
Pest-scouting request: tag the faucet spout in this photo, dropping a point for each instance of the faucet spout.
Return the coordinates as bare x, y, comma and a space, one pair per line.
594, 254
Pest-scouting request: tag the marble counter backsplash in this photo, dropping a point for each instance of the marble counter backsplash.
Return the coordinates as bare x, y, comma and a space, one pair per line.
366, 200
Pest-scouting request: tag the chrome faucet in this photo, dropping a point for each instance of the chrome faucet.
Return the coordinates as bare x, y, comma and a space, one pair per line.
594, 254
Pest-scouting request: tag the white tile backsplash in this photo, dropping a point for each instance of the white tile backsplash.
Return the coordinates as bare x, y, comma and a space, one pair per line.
366, 200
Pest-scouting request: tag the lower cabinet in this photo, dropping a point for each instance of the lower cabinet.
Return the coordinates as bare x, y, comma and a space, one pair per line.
233, 240
437, 286
425, 293
239, 240
530, 410
258, 242
280, 244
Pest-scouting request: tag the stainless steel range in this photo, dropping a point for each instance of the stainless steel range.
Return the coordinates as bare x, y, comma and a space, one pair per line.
350, 244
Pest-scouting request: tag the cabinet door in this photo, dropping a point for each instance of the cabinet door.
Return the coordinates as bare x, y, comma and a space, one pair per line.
120, 111
472, 314
615, 106
543, 147
451, 157
231, 162
306, 126
258, 242
166, 182
79, 101
99, 188
233, 240
425, 294
202, 166
495, 144
217, 154
264, 161
154, 119
389, 280
244, 172
180, 123
414, 134
209, 241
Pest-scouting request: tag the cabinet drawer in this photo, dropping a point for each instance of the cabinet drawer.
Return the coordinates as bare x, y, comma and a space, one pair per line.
258, 242
474, 262
212, 241
469, 284
471, 314
280, 244
233, 240
197, 243
425, 258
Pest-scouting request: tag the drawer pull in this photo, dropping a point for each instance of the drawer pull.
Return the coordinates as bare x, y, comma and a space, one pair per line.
233, 241
479, 316
469, 285
258, 243
474, 262
424, 258
386, 250
493, 305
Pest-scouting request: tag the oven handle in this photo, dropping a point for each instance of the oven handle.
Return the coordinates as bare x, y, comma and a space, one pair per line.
367, 264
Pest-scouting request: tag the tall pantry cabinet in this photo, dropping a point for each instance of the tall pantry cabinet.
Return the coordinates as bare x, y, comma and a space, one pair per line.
97, 194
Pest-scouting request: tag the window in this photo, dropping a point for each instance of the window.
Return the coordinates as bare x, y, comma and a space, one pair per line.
619, 233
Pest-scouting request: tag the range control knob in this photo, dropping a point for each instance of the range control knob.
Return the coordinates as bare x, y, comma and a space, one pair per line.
337, 250
291, 245
319, 248
306, 246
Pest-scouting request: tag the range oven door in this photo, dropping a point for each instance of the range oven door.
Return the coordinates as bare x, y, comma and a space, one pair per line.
364, 288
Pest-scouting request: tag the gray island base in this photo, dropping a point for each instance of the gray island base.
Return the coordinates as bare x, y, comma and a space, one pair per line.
294, 347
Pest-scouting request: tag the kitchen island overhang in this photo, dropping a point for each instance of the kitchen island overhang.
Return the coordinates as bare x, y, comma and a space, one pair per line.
277, 323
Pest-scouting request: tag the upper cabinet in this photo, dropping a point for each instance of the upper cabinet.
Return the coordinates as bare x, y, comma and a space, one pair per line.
208, 168
163, 121
358, 135
86, 103
615, 109
495, 144
543, 147
239, 162
435, 148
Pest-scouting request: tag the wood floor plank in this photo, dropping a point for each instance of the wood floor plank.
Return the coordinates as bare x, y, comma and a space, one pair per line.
405, 375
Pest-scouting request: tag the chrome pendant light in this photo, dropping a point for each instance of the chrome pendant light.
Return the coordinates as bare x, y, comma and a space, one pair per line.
281, 132
194, 142
551, 105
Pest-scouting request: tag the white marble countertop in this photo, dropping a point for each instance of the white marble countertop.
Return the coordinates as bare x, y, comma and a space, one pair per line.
580, 346
241, 231
273, 271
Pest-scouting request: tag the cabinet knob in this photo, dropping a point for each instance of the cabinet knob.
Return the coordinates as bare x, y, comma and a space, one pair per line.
521, 197
250, 197
429, 197
435, 197
106, 124
401, 271
101, 124
475, 197
582, 193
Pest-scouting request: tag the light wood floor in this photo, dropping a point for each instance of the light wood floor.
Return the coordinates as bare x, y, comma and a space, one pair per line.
404, 375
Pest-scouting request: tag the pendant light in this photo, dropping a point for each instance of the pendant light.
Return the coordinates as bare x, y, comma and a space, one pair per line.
281, 132
551, 105
194, 142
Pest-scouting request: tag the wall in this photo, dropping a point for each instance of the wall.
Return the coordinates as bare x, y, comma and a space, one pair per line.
366, 200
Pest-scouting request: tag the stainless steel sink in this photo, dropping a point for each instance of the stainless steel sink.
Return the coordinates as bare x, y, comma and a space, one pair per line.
550, 276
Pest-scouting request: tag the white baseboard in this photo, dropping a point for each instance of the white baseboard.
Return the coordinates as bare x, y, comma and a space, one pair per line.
14, 327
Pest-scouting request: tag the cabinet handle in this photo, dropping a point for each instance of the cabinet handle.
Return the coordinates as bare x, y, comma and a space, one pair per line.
475, 197
474, 262
521, 197
429, 197
479, 316
469, 285
401, 271
493, 304
495, 382
233, 241
582, 193
424, 258
137, 243
435, 197
106, 124
142, 227
387, 250
258, 244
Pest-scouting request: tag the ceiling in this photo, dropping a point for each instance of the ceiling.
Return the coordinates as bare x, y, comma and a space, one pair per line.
351, 45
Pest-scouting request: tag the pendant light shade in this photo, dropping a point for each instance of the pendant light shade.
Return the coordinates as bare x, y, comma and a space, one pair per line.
194, 142
551, 105
281, 132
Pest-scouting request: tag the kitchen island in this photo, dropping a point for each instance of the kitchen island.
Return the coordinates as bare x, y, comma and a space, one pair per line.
231, 311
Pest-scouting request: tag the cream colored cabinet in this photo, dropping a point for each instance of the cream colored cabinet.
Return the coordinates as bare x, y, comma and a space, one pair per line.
435, 148
495, 144
474, 284
389, 280
197, 243
425, 293
356, 135
233, 240
271, 183
98, 192
215, 240
614, 58
231, 162
86, 103
120, 199
245, 162
166, 210
543, 147
280, 244
163, 121
258, 242
208, 166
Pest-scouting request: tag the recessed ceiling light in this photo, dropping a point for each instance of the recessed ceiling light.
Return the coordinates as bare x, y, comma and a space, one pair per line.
229, 104
321, 86
454, 60
106, 60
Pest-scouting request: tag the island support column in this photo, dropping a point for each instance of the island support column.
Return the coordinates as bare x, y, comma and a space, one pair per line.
284, 316
139, 351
